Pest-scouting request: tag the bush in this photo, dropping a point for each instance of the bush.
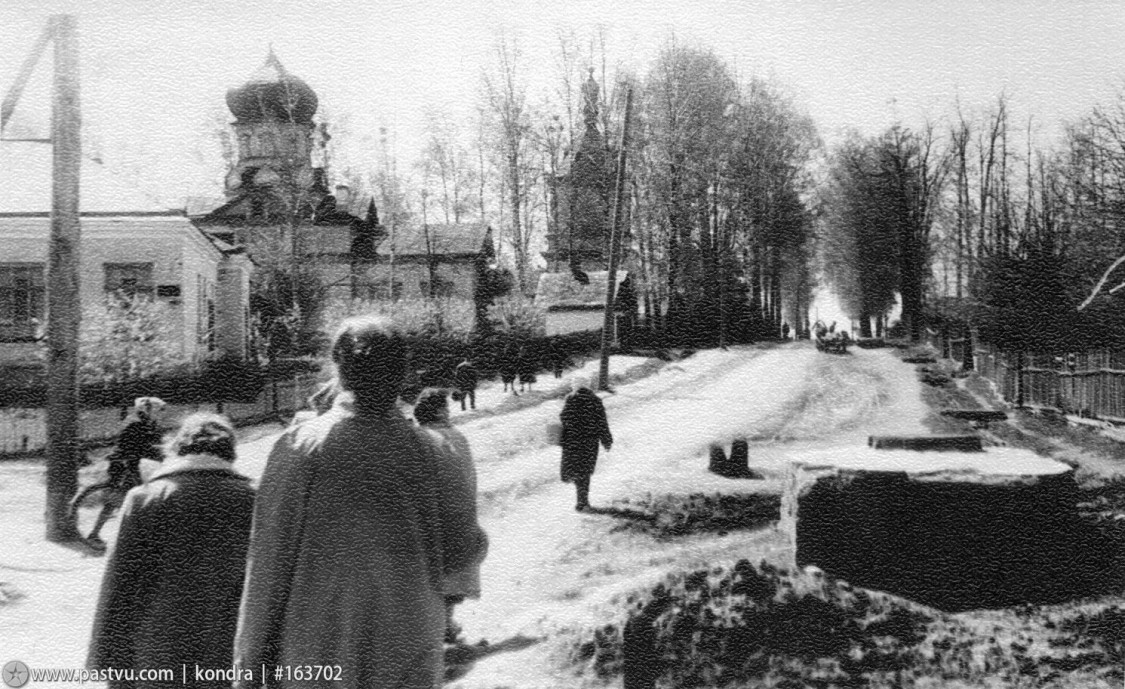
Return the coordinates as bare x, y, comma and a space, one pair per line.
123, 340
439, 318
517, 316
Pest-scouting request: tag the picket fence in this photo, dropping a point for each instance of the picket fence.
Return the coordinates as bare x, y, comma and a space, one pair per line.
1088, 384
24, 431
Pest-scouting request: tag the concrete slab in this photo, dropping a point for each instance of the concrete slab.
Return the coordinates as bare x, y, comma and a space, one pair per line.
955, 530
926, 443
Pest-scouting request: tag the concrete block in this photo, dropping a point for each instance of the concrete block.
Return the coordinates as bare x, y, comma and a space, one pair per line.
952, 530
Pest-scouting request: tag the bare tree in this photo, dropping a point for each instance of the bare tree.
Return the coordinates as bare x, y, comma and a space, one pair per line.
505, 92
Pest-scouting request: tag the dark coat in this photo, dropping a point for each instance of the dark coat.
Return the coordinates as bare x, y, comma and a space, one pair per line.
465, 376
173, 581
139, 439
358, 519
584, 425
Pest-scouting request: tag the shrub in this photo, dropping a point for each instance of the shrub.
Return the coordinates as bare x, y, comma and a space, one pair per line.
440, 318
517, 316
123, 340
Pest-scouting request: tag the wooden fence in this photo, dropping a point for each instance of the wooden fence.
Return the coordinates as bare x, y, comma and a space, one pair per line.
1089, 384
23, 431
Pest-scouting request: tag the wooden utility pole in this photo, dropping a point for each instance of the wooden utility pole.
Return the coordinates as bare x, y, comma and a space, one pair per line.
614, 241
63, 308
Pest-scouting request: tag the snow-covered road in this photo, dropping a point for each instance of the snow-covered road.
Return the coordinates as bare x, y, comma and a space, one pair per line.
548, 565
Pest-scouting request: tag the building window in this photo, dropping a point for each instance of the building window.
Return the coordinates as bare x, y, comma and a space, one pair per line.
127, 280
442, 287
22, 301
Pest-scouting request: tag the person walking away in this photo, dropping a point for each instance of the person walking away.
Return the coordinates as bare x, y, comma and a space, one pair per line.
139, 439
785, 331
465, 378
509, 366
357, 522
525, 366
558, 358
432, 414
171, 588
584, 427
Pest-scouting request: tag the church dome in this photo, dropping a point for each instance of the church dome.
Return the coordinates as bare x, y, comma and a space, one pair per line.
272, 93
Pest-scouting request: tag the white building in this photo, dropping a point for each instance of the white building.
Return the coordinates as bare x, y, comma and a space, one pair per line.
129, 244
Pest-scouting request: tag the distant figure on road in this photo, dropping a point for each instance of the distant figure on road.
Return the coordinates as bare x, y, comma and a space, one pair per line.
785, 331
584, 426
559, 359
432, 414
465, 383
357, 522
509, 366
525, 366
172, 586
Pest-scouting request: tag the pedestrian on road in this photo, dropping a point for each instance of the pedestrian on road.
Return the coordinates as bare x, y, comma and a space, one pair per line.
139, 439
432, 414
525, 366
584, 426
465, 381
171, 588
357, 522
509, 366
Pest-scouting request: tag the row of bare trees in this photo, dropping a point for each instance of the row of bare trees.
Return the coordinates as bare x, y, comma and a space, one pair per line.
971, 222
718, 190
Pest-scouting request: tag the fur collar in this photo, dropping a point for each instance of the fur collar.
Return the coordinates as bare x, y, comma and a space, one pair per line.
184, 463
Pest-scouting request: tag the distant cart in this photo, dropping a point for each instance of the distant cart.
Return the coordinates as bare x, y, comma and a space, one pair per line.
836, 343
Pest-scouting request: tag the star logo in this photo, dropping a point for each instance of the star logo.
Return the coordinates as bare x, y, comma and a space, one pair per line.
15, 674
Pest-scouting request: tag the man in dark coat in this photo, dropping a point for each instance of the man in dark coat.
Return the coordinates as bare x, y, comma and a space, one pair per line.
465, 381
173, 582
584, 426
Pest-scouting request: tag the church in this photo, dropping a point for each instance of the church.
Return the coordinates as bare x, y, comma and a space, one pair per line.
573, 291
278, 202
280, 205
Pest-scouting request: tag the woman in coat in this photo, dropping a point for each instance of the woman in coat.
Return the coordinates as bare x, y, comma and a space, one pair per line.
584, 426
357, 522
432, 414
173, 581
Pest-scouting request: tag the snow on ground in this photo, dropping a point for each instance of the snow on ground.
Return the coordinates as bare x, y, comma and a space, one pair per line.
548, 566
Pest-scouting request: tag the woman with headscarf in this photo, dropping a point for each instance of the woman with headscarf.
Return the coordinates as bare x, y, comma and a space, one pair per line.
584, 427
357, 522
172, 585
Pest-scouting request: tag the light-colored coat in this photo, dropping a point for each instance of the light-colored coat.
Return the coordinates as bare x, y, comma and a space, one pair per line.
356, 524
459, 458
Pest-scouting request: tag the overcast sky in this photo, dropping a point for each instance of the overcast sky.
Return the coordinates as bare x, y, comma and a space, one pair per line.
154, 71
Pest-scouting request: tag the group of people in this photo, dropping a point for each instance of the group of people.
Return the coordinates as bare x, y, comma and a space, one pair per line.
342, 568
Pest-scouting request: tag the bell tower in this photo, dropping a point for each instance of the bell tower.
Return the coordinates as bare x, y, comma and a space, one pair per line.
278, 143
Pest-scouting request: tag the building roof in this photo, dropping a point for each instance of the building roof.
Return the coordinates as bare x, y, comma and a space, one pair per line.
560, 291
25, 177
121, 230
444, 240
